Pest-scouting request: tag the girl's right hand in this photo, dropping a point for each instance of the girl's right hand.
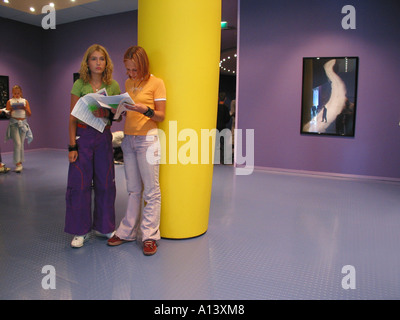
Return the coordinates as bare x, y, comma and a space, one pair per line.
72, 156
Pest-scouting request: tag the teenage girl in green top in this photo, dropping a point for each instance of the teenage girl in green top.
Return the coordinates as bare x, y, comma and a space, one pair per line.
91, 155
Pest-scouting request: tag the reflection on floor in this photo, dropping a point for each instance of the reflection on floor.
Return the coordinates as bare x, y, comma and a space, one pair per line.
271, 236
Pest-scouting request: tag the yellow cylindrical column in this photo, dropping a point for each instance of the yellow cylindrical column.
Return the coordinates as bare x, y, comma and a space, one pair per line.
182, 39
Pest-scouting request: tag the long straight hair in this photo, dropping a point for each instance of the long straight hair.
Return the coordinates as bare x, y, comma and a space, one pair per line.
139, 56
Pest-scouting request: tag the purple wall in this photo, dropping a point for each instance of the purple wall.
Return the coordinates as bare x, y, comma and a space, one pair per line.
21, 58
43, 63
274, 37
65, 49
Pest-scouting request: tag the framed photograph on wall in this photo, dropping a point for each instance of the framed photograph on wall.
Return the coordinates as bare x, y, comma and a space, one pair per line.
76, 76
329, 97
4, 91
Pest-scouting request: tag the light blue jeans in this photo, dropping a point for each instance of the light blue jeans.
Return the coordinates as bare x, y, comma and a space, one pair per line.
18, 136
142, 161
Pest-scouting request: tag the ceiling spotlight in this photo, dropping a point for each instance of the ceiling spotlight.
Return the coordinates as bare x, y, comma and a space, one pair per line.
51, 4
6, 1
32, 9
227, 63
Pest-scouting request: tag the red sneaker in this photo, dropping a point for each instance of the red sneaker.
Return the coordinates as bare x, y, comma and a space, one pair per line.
115, 241
149, 247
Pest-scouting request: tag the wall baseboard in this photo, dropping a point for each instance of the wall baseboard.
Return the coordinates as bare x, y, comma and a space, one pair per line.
326, 174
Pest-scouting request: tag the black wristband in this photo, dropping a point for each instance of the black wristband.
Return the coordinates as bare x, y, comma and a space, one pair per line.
72, 148
149, 113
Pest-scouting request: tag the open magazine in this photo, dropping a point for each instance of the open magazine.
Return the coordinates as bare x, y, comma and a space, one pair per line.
85, 105
17, 105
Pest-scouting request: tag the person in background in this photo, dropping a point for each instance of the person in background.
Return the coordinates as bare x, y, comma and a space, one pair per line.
223, 118
90, 155
141, 149
4, 115
3, 168
18, 129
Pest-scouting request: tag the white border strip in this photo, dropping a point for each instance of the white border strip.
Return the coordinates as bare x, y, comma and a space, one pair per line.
320, 174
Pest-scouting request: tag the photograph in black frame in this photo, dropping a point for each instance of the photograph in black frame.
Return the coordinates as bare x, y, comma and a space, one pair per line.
4, 96
4, 91
329, 96
76, 76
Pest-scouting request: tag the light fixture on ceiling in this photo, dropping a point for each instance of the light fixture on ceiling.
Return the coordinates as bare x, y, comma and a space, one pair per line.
33, 7
228, 62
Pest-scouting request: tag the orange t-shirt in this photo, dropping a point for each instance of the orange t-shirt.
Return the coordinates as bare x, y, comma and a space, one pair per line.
146, 92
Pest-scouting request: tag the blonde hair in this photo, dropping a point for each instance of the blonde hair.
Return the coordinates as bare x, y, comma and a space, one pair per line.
84, 72
17, 87
139, 56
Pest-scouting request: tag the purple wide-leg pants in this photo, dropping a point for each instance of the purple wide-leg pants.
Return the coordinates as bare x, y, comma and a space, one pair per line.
95, 163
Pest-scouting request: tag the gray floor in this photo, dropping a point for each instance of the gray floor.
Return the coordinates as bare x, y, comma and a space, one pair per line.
271, 236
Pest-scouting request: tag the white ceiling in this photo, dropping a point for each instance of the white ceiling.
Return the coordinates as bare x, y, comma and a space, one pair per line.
73, 11
67, 11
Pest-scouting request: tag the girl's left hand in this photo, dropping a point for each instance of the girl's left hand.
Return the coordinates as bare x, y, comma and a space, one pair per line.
100, 113
138, 107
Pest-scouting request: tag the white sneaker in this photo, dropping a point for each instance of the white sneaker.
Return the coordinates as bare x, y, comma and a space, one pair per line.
18, 168
78, 241
104, 235
3, 168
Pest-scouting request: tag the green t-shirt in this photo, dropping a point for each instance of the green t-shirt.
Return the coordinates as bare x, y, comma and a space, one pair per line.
81, 88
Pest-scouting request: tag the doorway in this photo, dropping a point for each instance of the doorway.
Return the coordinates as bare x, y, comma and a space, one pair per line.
228, 64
